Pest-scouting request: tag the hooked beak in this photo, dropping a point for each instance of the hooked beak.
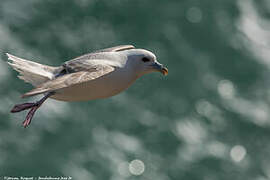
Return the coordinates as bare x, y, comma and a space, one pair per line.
160, 68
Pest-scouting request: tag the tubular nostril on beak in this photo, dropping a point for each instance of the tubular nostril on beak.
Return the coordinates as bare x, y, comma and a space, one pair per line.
160, 68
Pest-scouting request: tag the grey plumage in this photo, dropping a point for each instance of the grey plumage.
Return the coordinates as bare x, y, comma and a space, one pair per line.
100, 74
76, 79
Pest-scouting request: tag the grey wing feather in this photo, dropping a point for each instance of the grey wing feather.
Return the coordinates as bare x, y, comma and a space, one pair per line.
79, 70
99, 54
116, 48
70, 80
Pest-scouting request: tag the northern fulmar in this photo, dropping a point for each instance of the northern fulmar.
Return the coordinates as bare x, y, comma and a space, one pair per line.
100, 74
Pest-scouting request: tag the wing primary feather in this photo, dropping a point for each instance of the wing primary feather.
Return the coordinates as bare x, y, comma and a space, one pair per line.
116, 48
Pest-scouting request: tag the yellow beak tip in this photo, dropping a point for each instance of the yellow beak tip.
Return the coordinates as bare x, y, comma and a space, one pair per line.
165, 71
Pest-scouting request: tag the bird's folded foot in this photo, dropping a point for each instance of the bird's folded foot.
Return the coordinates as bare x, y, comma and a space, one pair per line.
21, 107
25, 106
32, 106
29, 116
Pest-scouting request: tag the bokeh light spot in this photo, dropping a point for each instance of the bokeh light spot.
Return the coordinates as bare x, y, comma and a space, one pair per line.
226, 89
136, 167
238, 153
194, 15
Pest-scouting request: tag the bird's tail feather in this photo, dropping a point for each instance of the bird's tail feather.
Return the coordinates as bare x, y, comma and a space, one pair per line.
31, 72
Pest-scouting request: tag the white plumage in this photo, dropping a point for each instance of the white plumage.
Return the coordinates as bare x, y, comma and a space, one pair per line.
92, 76
101, 74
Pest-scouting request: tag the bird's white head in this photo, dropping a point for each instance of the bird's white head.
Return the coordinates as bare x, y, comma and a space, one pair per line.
143, 62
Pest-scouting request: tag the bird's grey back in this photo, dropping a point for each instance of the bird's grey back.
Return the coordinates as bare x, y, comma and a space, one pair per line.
82, 61
102, 53
90, 56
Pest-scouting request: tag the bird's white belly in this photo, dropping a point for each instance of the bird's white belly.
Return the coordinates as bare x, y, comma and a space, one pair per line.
103, 87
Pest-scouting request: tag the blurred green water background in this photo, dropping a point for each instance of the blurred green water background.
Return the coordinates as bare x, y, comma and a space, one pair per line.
208, 120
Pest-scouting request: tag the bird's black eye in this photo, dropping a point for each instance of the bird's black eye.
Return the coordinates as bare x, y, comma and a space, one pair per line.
145, 59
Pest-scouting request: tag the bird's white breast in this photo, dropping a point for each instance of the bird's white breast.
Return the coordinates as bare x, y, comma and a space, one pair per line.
102, 87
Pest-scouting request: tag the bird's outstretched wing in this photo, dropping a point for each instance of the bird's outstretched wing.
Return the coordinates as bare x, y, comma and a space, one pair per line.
81, 69
71, 79
86, 60
116, 48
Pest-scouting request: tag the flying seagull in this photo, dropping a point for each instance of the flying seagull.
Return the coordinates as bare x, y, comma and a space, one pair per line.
96, 75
